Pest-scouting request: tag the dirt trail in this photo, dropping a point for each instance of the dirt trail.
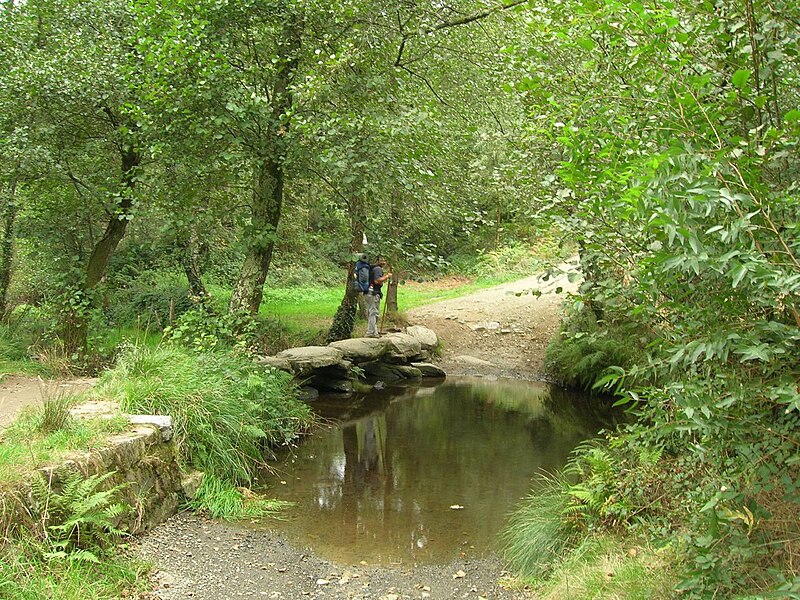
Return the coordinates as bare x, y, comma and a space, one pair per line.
493, 333
18, 392
501, 331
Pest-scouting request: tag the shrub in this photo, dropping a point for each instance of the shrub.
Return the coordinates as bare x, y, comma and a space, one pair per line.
538, 532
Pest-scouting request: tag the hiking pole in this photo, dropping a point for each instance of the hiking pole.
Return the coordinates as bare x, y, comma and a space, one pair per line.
385, 306
383, 318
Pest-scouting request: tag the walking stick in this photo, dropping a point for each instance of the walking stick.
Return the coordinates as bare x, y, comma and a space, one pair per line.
383, 318
385, 306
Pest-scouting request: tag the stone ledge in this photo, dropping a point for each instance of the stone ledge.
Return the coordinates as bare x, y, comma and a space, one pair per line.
144, 460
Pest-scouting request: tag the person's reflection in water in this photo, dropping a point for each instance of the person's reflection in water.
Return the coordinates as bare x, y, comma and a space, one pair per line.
363, 470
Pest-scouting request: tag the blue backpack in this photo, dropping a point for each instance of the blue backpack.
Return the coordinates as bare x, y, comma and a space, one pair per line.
362, 276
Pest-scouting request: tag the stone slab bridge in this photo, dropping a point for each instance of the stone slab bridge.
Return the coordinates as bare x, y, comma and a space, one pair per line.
340, 366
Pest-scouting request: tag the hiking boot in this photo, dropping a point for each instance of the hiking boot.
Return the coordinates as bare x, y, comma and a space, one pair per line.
373, 335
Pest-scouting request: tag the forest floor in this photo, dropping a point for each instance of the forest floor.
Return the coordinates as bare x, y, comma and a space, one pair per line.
492, 333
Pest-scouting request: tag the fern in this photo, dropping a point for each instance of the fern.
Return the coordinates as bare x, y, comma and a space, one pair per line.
80, 521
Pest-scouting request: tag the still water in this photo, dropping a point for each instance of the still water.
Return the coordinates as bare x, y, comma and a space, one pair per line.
413, 475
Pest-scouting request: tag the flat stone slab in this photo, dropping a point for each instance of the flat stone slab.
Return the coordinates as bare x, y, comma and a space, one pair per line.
429, 369
485, 326
472, 361
273, 361
96, 409
161, 422
402, 347
358, 350
426, 337
306, 359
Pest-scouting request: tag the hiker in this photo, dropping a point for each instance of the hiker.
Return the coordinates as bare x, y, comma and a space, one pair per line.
373, 295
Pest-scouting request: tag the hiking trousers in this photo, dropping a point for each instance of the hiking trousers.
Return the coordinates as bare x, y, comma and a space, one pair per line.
372, 302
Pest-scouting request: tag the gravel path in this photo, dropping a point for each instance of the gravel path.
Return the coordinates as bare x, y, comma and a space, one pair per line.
204, 559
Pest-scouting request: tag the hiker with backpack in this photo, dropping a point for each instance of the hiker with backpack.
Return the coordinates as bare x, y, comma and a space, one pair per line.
369, 280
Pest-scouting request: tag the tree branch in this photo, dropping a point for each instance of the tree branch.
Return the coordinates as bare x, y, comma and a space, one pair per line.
466, 20
476, 17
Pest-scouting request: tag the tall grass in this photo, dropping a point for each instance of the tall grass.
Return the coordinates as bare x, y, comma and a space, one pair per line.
227, 411
538, 533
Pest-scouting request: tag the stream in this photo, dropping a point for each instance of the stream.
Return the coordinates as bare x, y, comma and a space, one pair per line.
413, 475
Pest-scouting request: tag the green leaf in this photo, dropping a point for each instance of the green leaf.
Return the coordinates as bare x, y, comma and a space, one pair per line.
739, 271
792, 116
740, 78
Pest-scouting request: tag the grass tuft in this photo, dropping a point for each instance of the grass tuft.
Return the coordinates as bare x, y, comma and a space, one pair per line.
538, 535
222, 500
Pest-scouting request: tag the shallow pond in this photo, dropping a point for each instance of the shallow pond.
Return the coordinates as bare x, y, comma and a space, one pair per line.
410, 475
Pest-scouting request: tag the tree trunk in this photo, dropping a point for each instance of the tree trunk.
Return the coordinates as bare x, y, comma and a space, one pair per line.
7, 247
266, 213
189, 252
269, 174
396, 219
75, 325
344, 321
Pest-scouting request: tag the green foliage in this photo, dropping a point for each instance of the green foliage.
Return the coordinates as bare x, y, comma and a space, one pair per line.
227, 411
204, 330
54, 414
14, 355
538, 535
81, 519
25, 447
605, 566
677, 177
511, 261
586, 350
150, 300
27, 574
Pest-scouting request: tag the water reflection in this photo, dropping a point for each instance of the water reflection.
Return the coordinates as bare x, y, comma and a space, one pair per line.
415, 475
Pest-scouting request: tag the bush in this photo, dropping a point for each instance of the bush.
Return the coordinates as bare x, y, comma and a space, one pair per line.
151, 298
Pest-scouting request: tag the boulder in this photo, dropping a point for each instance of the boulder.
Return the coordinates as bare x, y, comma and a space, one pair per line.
427, 338
429, 370
359, 350
407, 371
402, 348
307, 359
328, 384
381, 371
